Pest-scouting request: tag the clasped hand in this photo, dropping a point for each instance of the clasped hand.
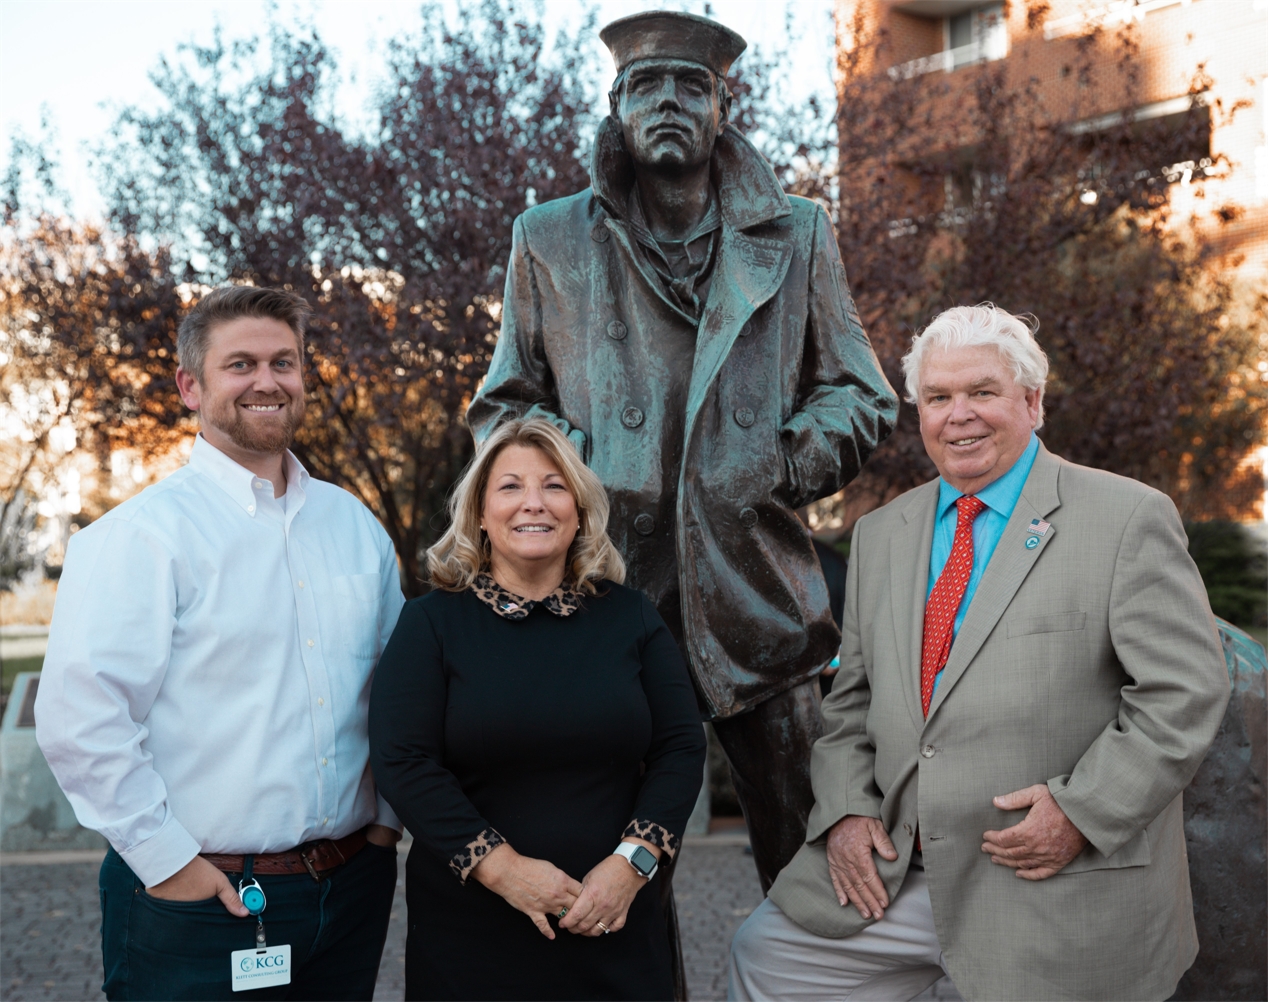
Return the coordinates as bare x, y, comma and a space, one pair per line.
538, 888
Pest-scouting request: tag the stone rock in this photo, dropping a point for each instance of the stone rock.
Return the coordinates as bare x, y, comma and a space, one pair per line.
1225, 826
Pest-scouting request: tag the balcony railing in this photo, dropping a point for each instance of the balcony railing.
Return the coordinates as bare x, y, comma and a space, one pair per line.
1106, 15
995, 46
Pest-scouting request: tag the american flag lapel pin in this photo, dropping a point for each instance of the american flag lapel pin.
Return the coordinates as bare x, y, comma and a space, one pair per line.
1035, 531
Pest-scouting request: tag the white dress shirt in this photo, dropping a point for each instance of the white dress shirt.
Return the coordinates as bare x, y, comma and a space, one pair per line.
208, 669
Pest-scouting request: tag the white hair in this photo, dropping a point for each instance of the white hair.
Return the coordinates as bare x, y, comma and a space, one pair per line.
982, 325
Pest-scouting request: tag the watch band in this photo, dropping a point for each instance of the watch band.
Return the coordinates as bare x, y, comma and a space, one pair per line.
628, 850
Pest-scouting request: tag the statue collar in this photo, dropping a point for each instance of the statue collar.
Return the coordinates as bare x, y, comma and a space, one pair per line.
748, 191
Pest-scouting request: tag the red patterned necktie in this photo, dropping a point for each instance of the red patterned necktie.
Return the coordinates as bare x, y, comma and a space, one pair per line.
944, 600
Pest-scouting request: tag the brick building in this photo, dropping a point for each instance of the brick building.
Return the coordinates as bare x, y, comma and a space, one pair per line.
1216, 49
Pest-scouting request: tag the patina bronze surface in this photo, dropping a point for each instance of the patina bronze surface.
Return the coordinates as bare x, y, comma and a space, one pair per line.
716, 378
1225, 826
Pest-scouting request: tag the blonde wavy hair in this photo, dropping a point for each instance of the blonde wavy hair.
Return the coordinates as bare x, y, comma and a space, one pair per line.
463, 552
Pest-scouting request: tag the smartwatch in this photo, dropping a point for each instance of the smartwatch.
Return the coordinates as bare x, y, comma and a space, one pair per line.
643, 860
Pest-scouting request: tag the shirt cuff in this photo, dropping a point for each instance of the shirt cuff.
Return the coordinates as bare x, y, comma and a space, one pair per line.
657, 835
162, 854
465, 860
384, 815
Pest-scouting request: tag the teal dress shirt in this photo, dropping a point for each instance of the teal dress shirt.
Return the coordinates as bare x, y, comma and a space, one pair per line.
1000, 497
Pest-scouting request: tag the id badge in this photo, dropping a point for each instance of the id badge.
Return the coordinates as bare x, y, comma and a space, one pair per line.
265, 968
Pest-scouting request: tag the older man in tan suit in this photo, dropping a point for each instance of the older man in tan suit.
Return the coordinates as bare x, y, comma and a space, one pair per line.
1030, 676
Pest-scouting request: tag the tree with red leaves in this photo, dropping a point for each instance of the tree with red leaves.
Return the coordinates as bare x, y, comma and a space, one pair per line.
398, 238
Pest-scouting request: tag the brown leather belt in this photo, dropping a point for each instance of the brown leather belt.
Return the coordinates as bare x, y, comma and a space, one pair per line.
314, 858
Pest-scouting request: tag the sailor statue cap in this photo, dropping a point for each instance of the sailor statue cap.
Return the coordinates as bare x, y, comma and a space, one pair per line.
667, 34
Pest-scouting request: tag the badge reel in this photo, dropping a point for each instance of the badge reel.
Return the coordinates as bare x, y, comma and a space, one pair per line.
252, 895
264, 966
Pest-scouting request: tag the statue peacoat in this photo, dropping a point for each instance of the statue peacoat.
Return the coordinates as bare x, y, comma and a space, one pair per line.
706, 435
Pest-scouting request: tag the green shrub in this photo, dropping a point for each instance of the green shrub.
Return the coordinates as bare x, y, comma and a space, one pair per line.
1234, 567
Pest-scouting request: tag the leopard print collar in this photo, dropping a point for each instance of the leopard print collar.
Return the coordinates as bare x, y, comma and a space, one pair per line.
563, 601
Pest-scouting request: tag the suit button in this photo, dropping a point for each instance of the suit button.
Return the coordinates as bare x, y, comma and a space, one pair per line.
599, 234
645, 525
744, 417
907, 827
748, 517
631, 417
616, 330
927, 751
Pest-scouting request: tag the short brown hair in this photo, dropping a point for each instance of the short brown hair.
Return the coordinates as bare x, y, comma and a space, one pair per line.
230, 302
463, 551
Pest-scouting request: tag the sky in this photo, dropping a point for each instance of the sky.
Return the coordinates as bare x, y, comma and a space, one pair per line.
77, 62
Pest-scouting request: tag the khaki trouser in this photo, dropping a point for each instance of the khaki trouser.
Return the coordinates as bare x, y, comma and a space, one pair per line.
897, 958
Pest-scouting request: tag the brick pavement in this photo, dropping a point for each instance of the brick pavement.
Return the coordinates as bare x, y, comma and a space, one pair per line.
50, 921
50, 946
50, 932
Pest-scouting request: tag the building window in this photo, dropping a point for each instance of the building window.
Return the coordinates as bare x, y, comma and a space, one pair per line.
975, 35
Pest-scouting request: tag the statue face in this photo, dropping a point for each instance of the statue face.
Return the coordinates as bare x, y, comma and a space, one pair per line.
670, 114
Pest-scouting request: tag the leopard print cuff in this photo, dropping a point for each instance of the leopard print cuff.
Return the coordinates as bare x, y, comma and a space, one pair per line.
465, 861
657, 835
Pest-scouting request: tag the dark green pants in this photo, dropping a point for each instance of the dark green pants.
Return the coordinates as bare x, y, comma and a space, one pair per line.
156, 949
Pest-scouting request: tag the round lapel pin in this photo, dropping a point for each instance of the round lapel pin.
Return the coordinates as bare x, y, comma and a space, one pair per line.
1032, 542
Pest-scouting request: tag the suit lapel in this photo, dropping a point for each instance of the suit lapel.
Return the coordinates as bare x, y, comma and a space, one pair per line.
1011, 562
909, 550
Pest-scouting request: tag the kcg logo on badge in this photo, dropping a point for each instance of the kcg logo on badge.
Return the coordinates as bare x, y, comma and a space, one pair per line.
260, 968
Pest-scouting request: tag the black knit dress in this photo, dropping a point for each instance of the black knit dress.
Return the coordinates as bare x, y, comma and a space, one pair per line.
557, 726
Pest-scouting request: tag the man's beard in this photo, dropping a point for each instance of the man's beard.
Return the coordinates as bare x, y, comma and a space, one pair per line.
268, 437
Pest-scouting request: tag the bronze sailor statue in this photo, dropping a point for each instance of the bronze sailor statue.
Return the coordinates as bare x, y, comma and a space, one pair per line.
688, 325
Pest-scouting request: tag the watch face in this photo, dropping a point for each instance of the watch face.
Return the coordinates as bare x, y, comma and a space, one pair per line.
643, 861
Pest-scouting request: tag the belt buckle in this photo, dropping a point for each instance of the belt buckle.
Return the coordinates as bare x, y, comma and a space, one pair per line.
308, 864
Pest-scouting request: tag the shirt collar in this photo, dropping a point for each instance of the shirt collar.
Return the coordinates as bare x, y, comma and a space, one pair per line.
240, 483
563, 601
999, 495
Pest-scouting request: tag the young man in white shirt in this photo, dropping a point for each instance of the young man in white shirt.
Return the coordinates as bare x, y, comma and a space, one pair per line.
203, 700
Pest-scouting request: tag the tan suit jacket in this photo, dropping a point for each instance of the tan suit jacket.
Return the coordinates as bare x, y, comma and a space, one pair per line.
1090, 663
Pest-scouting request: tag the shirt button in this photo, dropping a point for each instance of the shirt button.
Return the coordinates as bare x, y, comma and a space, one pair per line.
258, 485
310, 643
251, 509
927, 751
301, 584
325, 821
617, 330
323, 761
320, 701
745, 417
631, 417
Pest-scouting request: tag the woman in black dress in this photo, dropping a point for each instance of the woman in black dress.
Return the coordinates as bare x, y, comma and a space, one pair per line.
533, 726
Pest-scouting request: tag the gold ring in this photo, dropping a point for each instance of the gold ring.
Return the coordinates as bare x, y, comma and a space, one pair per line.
605, 929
